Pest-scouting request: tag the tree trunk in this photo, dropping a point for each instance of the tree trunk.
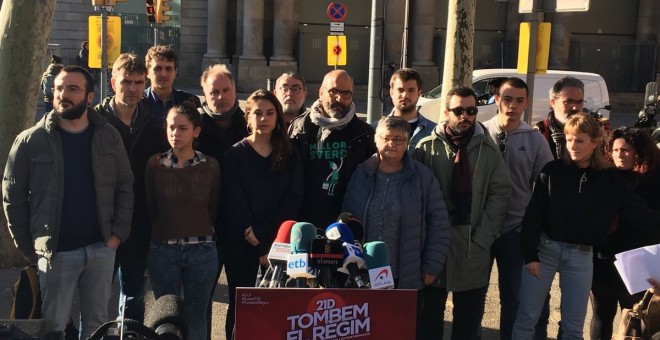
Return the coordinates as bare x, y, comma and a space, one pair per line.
459, 48
24, 31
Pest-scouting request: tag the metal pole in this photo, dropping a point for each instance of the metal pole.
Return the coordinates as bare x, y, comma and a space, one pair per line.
155, 35
537, 16
374, 102
404, 42
104, 53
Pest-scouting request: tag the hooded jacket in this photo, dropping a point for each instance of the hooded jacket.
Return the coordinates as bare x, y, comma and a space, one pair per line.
32, 184
468, 263
526, 154
424, 241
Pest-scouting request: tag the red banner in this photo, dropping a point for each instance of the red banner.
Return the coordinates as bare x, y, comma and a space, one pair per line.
322, 314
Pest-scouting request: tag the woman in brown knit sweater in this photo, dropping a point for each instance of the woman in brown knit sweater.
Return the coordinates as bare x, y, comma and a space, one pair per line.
182, 194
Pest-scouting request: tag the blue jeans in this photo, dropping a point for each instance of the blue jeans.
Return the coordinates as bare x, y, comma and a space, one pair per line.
507, 252
192, 267
87, 269
575, 266
131, 285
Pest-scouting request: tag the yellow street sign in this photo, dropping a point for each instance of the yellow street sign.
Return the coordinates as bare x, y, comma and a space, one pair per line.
336, 50
113, 40
542, 52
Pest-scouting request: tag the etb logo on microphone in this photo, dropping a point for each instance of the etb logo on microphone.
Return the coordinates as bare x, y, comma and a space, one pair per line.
381, 278
297, 265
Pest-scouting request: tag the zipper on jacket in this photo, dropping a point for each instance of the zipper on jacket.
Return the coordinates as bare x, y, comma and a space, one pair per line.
583, 179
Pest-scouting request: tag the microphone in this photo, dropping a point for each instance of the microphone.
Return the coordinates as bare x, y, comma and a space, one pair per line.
353, 258
377, 258
277, 255
354, 225
297, 265
168, 318
326, 256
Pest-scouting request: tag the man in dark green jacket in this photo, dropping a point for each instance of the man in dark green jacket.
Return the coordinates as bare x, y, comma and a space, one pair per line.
68, 198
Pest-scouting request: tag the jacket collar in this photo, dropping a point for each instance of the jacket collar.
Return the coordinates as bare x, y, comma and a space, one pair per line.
50, 119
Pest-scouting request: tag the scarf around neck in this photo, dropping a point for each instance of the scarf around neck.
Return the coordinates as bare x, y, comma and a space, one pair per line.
461, 176
221, 119
557, 133
328, 124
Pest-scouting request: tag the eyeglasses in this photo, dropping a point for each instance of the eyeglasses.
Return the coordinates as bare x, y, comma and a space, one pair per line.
470, 111
395, 141
344, 94
293, 89
501, 141
69, 88
574, 102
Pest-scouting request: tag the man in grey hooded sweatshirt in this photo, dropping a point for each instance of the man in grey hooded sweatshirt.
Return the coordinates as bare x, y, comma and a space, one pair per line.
525, 153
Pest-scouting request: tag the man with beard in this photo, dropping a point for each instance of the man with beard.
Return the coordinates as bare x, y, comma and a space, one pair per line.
162, 68
405, 89
223, 125
68, 199
473, 177
525, 153
333, 141
566, 99
291, 92
129, 113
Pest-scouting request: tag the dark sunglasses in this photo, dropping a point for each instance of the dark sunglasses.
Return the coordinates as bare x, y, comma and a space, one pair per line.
501, 141
471, 111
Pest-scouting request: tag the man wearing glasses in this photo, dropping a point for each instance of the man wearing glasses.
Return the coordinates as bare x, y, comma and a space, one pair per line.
525, 153
333, 141
566, 99
291, 92
474, 179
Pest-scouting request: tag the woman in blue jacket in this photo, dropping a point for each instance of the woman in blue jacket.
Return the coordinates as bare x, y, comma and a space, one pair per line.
400, 203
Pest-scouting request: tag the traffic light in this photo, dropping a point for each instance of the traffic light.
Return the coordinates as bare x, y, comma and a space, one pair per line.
151, 11
162, 6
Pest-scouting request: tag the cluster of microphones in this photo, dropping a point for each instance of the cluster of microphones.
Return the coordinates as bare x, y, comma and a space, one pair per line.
304, 256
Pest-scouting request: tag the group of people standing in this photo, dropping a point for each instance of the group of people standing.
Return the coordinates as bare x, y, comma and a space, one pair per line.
153, 180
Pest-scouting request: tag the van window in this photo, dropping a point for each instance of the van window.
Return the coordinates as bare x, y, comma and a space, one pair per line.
486, 89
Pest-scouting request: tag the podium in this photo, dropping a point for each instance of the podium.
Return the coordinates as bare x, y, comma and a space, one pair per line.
323, 314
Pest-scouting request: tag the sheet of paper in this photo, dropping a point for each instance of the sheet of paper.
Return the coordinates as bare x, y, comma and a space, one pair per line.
637, 265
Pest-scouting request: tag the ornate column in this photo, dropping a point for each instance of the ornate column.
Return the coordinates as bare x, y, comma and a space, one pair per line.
423, 16
252, 69
283, 30
253, 30
216, 36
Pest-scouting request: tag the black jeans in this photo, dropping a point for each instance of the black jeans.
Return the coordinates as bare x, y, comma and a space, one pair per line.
466, 322
607, 289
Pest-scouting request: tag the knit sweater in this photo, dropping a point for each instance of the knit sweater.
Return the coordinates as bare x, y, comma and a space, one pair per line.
182, 201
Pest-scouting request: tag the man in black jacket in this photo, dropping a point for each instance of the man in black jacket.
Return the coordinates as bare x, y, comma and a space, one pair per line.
223, 125
128, 112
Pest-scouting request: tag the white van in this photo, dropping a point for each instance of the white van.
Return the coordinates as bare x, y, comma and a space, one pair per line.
595, 93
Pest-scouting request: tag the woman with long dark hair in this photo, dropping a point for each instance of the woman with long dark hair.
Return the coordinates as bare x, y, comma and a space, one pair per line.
634, 154
263, 188
574, 202
182, 189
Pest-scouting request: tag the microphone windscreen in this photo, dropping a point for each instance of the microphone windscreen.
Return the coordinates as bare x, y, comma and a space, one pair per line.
376, 254
302, 235
284, 233
339, 231
167, 309
354, 224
